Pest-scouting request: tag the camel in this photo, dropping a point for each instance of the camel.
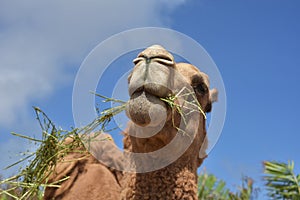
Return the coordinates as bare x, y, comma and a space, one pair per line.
165, 145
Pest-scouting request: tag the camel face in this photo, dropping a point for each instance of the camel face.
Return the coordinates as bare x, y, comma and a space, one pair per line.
155, 76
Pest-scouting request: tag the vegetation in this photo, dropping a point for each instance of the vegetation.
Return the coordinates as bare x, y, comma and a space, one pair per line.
30, 182
210, 188
281, 181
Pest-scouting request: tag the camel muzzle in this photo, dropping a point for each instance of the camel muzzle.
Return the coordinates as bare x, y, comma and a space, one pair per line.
145, 109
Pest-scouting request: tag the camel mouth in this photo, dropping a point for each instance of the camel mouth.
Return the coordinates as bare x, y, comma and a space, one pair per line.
145, 108
153, 89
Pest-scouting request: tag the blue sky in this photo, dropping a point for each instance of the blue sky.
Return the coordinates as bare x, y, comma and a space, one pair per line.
255, 45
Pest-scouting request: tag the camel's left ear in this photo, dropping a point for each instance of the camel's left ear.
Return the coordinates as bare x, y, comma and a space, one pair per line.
213, 97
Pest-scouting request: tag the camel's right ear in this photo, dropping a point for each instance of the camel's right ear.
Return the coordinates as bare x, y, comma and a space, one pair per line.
129, 77
213, 97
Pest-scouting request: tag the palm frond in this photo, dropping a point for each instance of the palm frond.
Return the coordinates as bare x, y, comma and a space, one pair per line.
281, 181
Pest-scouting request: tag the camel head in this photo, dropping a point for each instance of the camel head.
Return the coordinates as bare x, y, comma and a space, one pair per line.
157, 76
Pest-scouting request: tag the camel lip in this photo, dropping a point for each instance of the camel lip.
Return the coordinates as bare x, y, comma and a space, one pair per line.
148, 91
145, 109
152, 89
142, 90
138, 90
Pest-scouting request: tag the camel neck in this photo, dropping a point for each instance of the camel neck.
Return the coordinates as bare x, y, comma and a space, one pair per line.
176, 181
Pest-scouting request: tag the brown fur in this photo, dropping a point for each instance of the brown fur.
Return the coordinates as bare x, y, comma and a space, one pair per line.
89, 179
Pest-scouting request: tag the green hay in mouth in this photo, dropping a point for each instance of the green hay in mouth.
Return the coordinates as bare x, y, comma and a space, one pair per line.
191, 106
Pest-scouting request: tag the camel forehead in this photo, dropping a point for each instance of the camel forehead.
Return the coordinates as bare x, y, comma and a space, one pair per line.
189, 70
156, 50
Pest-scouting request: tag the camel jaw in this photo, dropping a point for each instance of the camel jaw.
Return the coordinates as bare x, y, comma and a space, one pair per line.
146, 109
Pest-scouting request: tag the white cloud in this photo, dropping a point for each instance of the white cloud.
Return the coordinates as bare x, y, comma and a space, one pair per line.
40, 40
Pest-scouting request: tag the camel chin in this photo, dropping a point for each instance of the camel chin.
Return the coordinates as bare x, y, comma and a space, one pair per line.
146, 110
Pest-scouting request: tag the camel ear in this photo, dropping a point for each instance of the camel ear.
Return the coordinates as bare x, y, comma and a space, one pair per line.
129, 77
213, 97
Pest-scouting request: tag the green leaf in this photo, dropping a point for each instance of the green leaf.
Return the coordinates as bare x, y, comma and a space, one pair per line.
281, 181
